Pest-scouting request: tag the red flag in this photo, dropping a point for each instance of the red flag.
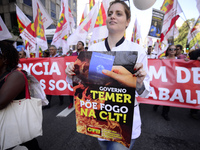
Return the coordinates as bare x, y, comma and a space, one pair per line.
172, 10
80, 33
91, 3
84, 15
195, 29
136, 35
22, 19
100, 30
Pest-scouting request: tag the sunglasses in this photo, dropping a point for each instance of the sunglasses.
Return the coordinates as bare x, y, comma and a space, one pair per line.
172, 49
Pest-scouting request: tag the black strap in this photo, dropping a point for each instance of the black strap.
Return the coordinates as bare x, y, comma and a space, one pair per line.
117, 44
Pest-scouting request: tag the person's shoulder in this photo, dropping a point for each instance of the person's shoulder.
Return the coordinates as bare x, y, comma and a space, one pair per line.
135, 46
132, 44
74, 54
181, 56
16, 75
97, 46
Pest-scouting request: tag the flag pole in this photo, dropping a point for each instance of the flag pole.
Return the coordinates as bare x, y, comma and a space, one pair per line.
27, 52
175, 20
37, 51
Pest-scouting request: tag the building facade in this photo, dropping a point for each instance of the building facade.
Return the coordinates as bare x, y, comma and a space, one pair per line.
8, 11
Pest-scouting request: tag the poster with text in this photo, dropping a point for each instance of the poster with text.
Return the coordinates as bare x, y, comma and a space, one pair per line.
104, 105
156, 23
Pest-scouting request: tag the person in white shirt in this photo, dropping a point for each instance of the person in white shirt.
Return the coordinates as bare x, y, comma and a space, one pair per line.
117, 21
150, 55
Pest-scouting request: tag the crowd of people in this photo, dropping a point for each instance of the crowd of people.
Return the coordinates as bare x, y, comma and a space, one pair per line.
117, 21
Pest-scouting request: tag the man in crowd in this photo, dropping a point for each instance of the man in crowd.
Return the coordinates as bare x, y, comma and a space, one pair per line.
22, 54
53, 53
46, 53
179, 51
150, 55
86, 48
80, 47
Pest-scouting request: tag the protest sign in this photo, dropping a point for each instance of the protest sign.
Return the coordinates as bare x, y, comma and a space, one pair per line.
156, 23
104, 106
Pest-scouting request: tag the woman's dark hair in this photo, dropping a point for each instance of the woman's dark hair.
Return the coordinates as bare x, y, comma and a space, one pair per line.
10, 54
180, 46
194, 54
126, 8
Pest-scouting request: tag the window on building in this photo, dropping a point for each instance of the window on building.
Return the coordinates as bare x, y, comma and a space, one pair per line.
43, 2
1, 2
53, 10
13, 18
29, 17
2, 16
52, 26
53, 15
28, 2
11, 1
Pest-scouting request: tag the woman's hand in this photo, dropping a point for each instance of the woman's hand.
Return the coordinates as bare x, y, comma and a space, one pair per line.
122, 75
70, 69
140, 73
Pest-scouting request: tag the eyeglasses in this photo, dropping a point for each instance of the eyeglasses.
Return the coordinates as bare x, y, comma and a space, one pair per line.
172, 49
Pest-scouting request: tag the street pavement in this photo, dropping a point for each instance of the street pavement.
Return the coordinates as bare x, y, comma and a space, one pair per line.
180, 133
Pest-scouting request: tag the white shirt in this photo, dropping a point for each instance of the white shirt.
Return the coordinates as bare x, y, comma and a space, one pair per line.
142, 58
152, 56
56, 55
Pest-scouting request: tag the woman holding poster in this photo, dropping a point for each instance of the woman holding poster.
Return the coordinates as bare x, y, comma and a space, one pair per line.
118, 18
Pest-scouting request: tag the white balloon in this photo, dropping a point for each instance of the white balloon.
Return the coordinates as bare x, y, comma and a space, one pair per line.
143, 4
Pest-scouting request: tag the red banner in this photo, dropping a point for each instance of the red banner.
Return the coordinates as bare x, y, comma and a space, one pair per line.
50, 72
173, 82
